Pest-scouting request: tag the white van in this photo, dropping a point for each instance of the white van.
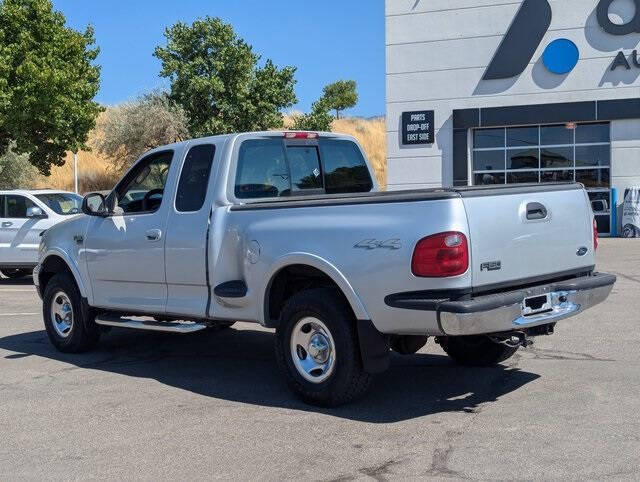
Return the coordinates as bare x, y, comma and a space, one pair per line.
23, 216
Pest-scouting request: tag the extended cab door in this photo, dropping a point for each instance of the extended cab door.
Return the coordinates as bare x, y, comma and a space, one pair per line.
188, 230
20, 234
125, 251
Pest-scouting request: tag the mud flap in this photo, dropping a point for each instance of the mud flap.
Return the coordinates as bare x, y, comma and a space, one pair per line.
374, 348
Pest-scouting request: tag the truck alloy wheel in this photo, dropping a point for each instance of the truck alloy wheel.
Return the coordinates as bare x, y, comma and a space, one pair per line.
313, 350
61, 314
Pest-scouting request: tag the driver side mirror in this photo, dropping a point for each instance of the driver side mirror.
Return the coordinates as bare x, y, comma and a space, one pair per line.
94, 204
35, 212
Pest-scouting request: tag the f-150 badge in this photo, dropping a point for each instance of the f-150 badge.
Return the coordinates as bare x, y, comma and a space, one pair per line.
491, 266
375, 244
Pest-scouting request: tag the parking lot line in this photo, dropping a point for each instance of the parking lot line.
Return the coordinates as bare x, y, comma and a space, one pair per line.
19, 314
17, 291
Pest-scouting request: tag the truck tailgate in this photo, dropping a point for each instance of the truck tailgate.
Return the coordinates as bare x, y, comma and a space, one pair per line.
519, 234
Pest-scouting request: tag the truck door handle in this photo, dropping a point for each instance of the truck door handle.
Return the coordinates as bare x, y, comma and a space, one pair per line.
153, 235
7, 224
536, 211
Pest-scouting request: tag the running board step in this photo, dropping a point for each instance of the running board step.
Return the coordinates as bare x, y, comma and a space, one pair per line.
150, 325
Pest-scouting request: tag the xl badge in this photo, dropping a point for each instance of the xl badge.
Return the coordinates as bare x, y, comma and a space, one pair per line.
491, 266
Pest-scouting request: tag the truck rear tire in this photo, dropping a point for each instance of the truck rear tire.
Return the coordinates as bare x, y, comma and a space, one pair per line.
16, 273
69, 327
317, 349
476, 350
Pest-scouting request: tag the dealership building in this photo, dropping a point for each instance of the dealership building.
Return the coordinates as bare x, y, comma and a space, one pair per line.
497, 91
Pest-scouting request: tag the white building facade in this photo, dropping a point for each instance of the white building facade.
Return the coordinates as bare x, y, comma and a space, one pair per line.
500, 91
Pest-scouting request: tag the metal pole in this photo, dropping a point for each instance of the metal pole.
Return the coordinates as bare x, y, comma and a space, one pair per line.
75, 172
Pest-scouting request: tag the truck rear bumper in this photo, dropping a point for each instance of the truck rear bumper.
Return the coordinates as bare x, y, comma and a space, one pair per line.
508, 311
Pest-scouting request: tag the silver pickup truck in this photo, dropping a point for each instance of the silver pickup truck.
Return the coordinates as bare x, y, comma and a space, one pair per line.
288, 230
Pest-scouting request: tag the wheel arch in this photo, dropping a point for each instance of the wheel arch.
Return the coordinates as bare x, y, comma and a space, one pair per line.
312, 268
56, 262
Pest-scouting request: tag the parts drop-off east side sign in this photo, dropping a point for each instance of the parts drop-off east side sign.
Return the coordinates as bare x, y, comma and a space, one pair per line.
417, 127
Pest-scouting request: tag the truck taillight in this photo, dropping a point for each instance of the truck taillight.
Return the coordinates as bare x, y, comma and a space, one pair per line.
301, 135
441, 255
595, 235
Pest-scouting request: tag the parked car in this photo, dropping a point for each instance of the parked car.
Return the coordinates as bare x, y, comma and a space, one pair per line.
24, 215
288, 230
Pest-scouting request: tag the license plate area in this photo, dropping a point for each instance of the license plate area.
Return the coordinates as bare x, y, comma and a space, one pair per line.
536, 304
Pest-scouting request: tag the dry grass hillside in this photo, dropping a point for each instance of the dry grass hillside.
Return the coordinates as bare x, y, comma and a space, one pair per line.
96, 172
371, 133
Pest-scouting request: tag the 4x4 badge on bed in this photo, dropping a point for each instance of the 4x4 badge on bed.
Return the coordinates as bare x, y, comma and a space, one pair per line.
582, 251
375, 244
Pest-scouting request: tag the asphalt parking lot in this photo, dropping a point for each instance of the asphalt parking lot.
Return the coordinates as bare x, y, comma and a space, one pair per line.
154, 406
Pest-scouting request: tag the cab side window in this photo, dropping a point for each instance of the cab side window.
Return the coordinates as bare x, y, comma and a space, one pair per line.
2, 213
16, 206
345, 169
194, 180
142, 191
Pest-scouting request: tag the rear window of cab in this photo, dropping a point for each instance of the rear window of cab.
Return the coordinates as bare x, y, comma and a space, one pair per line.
269, 168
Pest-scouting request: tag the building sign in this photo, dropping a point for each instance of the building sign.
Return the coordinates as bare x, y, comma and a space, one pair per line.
528, 30
608, 26
417, 127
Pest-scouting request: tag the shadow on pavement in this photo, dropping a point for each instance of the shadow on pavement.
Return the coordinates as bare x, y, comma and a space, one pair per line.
26, 281
238, 365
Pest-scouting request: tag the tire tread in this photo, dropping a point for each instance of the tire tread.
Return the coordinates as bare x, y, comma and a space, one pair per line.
356, 381
85, 333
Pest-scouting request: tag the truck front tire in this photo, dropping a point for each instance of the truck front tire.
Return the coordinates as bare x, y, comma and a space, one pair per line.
69, 327
317, 349
476, 350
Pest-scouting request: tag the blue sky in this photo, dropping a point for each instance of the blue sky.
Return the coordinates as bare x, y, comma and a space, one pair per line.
327, 40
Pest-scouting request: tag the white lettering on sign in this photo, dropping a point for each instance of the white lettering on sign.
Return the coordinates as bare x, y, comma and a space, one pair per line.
424, 136
417, 127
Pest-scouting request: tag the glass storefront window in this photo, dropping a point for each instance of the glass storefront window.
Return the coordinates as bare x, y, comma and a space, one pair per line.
520, 177
556, 135
489, 161
488, 138
489, 178
522, 136
557, 176
548, 153
553, 157
580, 152
594, 178
522, 159
596, 156
593, 133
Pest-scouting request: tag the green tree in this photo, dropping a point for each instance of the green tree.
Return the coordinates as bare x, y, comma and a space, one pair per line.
48, 81
132, 128
318, 119
341, 95
215, 77
16, 172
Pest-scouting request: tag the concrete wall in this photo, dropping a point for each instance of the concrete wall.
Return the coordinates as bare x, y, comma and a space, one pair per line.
438, 50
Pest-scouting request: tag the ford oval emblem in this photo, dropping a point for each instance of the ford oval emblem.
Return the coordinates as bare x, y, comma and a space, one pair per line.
582, 251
